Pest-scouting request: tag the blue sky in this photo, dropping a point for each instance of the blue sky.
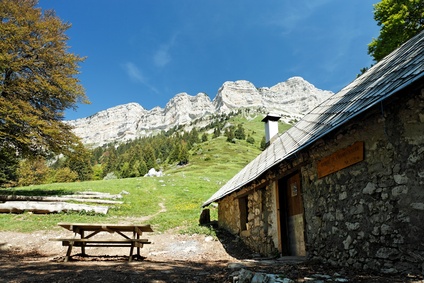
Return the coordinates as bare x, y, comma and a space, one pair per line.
147, 51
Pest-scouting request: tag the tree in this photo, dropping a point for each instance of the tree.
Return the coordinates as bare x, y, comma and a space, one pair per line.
149, 157
239, 132
65, 175
250, 140
204, 137
79, 161
175, 153
216, 133
33, 171
183, 156
37, 80
9, 163
109, 160
400, 20
263, 143
229, 133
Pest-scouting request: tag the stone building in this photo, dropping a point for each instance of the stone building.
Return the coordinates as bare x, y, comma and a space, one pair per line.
345, 185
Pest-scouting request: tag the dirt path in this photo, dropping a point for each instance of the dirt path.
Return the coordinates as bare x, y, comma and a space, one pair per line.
170, 258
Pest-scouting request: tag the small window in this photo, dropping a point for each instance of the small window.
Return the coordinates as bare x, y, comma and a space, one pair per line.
244, 213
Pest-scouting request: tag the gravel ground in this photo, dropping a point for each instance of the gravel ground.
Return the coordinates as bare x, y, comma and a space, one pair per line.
170, 258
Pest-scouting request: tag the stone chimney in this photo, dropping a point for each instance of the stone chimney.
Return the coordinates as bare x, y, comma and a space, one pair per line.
271, 127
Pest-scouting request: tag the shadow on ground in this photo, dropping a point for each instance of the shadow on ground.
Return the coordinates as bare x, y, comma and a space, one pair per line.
117, 271
19, 266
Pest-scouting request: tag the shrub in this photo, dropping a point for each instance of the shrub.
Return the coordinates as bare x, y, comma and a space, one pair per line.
65, 175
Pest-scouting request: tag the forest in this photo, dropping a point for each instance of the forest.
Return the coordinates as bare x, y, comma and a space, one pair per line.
131, 159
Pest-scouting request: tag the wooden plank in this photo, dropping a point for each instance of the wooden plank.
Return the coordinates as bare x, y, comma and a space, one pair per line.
341, 159
123, 241
100, 227
48, 207
55, 199
104, 245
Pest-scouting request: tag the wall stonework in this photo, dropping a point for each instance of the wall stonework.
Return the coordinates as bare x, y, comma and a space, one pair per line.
369, 215
261, 232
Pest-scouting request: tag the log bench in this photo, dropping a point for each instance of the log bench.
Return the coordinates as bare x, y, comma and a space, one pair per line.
88, 240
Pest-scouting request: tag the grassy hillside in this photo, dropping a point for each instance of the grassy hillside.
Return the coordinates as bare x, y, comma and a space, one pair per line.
180, 192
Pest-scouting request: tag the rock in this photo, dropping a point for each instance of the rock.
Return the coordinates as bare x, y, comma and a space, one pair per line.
369, 189
389, 271
399, 190
209, 239
247, 276
400, 179
347, 242
417, 205
153, 173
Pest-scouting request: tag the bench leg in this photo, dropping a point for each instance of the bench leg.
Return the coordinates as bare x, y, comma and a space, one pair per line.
82, 244
131, 252
138, 246
68, 252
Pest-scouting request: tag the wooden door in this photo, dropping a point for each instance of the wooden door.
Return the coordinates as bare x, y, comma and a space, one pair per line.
292, 239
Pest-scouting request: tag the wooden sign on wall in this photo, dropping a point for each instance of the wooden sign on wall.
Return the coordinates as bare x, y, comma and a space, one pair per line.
341, 159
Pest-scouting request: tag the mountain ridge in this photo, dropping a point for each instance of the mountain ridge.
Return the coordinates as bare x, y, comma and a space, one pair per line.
291, 99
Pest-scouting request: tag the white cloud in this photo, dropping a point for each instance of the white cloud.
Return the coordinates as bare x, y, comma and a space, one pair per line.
162, 56
136, 75
134, 72
293, 15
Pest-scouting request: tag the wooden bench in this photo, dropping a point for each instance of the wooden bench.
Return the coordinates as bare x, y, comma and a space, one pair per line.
75, 242
88, 240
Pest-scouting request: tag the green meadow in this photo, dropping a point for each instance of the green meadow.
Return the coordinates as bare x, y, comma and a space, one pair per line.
169, 202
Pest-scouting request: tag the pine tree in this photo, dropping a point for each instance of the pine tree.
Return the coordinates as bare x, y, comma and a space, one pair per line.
216, 133
204, 137
239, 132
149, 157
183, 157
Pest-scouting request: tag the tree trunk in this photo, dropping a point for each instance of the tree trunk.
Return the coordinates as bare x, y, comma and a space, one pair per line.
48, 207
76, 198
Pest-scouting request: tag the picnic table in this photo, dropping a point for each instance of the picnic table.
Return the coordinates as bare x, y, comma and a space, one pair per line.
84, 236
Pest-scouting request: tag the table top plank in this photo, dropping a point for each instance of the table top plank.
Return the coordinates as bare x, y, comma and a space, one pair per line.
100, 241
76, 227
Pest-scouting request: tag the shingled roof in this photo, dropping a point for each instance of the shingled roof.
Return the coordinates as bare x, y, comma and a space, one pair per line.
398, 70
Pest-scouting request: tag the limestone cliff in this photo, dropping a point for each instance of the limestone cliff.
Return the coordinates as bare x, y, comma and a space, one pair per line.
292, 99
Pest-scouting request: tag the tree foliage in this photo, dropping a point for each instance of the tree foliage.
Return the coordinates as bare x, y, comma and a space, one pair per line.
37, 80
78, 161
33, 171
9, 163
239, 133
400, 20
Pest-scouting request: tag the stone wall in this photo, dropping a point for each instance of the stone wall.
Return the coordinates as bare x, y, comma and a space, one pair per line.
261, 230
369, 215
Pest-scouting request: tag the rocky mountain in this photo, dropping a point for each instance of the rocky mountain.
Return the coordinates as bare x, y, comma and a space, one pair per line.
292, 99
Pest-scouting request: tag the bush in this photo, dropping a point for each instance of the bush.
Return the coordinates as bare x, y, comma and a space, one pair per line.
250, 140
97, 172
65, 175
32, 172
